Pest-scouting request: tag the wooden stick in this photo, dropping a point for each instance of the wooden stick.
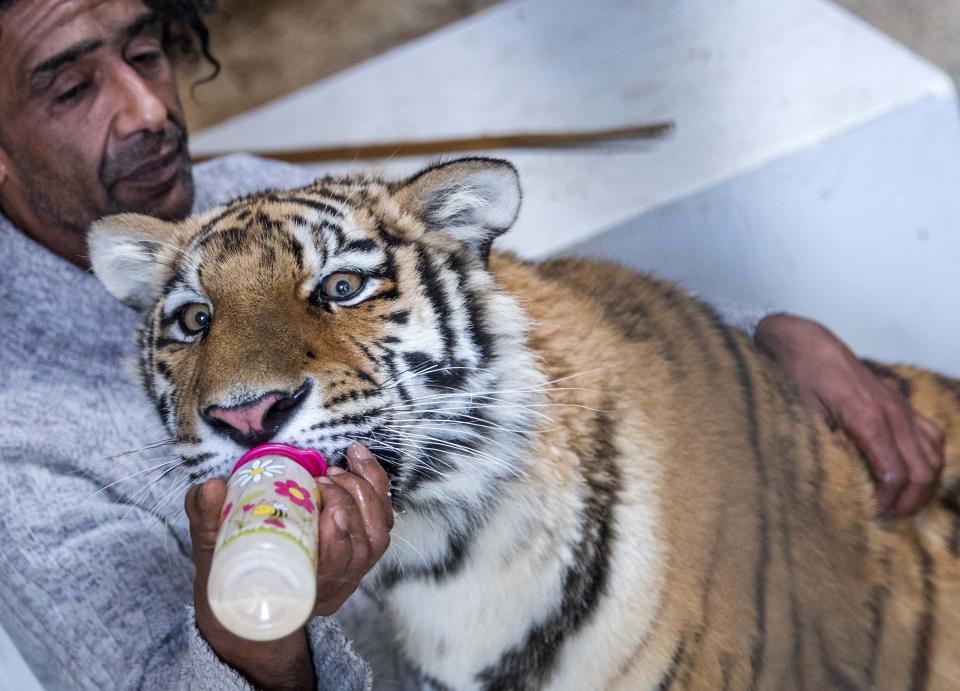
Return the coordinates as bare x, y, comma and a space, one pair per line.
521, 140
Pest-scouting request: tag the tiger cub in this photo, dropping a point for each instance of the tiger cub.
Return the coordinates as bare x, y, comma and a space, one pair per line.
598, 484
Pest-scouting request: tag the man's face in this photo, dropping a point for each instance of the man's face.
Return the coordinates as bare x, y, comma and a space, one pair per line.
90, 121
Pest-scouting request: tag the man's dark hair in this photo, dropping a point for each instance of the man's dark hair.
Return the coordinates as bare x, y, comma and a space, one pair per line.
184, 31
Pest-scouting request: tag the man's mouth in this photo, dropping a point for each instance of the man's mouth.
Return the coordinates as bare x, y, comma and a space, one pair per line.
156, 172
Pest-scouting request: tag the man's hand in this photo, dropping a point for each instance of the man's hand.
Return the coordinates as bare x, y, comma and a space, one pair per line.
904, 450
355, 522
355, 519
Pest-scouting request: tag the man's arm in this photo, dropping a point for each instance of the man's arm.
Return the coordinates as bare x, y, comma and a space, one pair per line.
903, 449
97, 593
355, 519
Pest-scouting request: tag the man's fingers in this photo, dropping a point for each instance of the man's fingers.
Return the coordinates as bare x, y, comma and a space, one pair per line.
363, 463
334, 554
871, 433
916, 493
340, 522
376, 526
203, 504
921, 465
333, 560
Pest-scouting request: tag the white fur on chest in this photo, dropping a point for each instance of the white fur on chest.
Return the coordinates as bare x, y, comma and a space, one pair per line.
512, 580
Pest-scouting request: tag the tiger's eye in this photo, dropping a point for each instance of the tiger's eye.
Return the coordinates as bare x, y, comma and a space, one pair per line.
341, 286
194, 317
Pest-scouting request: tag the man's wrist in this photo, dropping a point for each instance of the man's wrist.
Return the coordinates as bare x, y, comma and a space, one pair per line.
282, 664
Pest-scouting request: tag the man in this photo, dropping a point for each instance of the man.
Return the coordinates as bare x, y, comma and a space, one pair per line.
98, 590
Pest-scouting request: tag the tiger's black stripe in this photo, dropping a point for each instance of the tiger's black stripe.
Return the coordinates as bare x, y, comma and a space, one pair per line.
726, 667
677, 305
458, 547
438, 301
266, 223
324, 189
367, 353
953, 543
759, 644
710, 571
429, 683
694, 322
162, 343
361, 245
436, 374
163, 369
920, 665
877, 608
326, 233
883, 372
819, 479
162, 406
355, 419
400, 317
480, 334
147, 361
670, 674
838, 678
787, 499
393, 376
389, 238
312, 204
196, 459
356, 394
529, 665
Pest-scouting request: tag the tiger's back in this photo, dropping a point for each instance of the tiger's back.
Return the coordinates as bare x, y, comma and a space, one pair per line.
778, 577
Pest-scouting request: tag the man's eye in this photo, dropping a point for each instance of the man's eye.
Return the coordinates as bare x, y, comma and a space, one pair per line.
147, 58
72, 93
342, 285
194, 318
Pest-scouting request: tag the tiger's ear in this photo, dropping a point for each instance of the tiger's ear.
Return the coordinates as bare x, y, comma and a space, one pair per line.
132, 255
473, 199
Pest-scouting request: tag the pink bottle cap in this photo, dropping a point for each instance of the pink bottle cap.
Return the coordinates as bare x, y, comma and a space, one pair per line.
312, 461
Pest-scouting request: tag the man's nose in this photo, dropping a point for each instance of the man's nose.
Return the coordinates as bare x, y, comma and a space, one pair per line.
140, 108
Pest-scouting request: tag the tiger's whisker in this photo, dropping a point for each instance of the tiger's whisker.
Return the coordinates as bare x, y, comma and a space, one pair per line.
167, 462
146, 447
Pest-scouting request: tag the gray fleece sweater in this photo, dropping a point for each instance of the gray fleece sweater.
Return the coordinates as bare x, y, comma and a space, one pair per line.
95, 567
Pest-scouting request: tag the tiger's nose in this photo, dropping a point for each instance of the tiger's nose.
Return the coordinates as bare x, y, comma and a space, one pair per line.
256, 421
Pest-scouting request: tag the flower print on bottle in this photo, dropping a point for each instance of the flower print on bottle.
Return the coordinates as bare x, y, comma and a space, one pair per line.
257, 469
226, 512
297, 494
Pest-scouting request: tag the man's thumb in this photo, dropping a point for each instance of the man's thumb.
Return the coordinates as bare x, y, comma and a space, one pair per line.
203, 504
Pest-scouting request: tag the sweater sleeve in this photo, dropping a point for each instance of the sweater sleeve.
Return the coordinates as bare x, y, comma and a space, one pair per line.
740, 316
97, 593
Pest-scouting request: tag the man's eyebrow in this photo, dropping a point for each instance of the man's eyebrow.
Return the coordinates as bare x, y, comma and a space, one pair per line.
41, 74
147, 20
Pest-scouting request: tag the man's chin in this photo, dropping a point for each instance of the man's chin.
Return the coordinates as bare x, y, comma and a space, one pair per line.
172, 201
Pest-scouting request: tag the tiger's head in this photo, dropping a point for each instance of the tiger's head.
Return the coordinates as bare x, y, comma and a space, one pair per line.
353, 309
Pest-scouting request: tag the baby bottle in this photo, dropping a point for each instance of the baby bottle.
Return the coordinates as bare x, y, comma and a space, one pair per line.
263, 577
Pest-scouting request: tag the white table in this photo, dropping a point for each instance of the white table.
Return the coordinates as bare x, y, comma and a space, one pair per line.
814, 167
